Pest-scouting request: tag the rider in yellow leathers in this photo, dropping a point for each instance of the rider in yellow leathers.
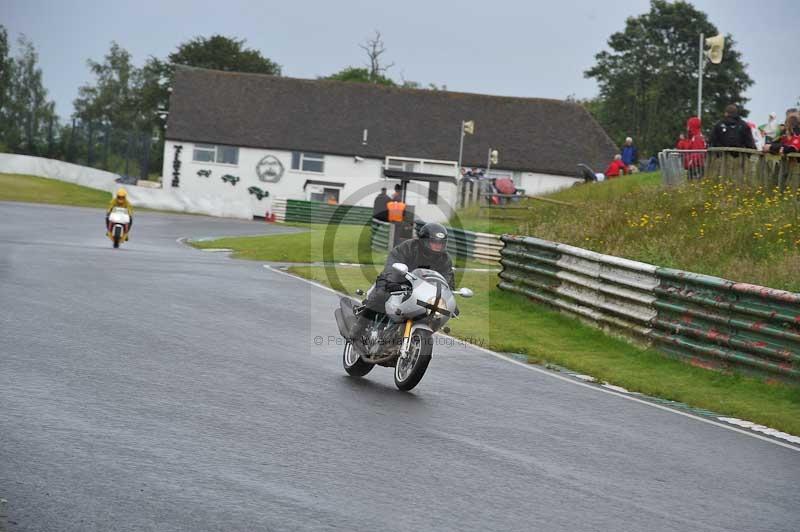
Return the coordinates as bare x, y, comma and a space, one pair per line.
120, 200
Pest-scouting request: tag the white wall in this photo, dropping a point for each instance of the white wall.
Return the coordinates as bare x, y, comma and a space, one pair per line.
11, 163
362, 180
171, 200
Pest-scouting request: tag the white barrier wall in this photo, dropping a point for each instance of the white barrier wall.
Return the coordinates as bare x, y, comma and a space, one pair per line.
360, 181
169, 200
11, 163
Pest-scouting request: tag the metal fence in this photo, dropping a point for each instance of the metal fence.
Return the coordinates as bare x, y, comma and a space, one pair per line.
380, 239
460, 243
707, 321
133, 155
737, 164
289, 210
678, 166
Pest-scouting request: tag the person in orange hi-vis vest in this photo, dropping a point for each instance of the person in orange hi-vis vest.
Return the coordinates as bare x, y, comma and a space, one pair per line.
395, 209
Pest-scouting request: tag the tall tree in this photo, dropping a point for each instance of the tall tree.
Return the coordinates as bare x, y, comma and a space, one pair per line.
27, 113
223, 53
114, 98
6, 64
374, 48
648, 81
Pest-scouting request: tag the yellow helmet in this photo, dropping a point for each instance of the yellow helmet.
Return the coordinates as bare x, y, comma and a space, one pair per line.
122, 193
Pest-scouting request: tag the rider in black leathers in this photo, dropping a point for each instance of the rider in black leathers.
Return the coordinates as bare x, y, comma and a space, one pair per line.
428, 251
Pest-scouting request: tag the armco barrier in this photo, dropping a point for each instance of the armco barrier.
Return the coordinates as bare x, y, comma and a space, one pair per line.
317, 212
380, 235
279, 209
725, 325
707, 321
607, 290
460, 243
471, 245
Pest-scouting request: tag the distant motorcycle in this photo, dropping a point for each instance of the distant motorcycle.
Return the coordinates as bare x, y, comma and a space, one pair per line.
402, 337
118, 224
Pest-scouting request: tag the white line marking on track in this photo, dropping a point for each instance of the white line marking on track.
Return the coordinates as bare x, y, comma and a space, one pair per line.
590, 386
760, 428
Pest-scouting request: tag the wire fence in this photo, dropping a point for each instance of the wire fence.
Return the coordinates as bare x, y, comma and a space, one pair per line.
134, 155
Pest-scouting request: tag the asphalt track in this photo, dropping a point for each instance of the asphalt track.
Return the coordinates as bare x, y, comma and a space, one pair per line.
157, 387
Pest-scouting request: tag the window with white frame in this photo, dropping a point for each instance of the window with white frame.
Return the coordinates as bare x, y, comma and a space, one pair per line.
209, 153
307, 161
204, 153
403, 166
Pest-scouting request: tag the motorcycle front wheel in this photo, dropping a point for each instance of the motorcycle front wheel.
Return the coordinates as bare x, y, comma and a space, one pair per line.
410, 369
352, 362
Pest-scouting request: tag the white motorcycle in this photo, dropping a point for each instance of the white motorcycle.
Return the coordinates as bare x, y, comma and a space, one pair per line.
402, 337
118, 224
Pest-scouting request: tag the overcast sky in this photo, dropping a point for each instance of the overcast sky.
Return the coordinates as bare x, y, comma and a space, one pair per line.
526, 48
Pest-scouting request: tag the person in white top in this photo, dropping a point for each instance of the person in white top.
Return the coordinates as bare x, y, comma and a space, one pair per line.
770, 129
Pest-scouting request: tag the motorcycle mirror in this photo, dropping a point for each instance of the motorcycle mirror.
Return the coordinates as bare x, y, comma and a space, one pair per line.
399, 267
465, 292
359, 292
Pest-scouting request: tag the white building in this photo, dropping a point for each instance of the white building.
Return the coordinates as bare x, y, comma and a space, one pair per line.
244, 139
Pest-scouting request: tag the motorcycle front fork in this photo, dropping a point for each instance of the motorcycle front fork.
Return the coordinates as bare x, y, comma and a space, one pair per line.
406, 340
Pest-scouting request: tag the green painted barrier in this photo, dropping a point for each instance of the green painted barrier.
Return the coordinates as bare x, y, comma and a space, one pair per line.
317, 212
706, 321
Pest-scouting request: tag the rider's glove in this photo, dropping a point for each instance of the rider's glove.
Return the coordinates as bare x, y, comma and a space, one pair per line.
394, 287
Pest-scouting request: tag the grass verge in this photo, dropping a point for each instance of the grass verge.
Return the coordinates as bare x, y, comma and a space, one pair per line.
16, 187
508, 322
318, 243
735, 231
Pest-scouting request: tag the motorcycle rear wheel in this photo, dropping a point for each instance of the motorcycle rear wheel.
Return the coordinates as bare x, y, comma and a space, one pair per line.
353, 364
410, 370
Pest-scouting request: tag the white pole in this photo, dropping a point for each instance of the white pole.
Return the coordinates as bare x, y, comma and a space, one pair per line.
460, 151
700, 79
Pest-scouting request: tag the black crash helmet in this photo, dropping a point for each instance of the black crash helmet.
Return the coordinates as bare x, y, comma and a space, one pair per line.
434, 237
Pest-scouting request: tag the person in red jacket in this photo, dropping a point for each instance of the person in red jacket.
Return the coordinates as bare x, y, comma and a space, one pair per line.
695, 162
683, 143
616, 168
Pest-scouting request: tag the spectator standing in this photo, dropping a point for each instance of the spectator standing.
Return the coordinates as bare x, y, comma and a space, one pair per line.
398, 193
379, 210
616, 168
732, 131
758, 139
789, 142
683, 142
770, 129
630, 155
695, 162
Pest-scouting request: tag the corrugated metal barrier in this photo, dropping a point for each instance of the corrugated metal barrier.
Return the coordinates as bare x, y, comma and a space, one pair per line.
289, 210
707, 321
460, 243
471, 245
380, 235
